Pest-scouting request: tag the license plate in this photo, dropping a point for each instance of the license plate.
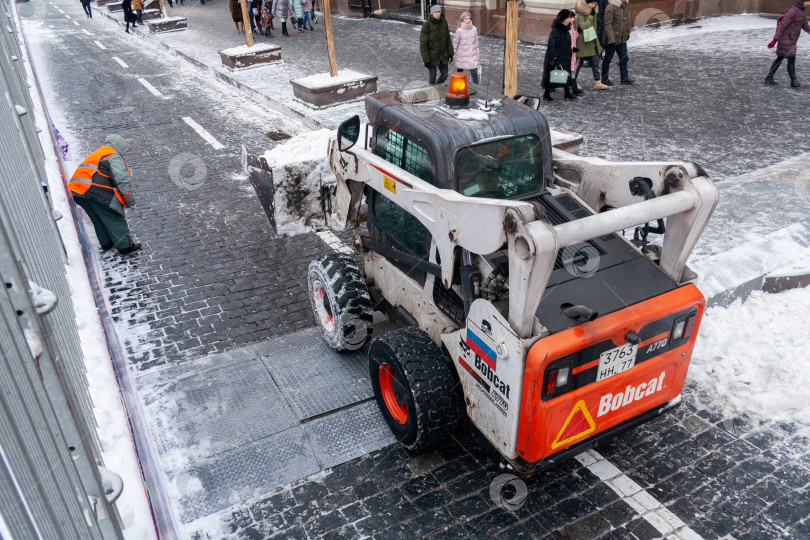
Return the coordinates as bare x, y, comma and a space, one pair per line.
616, 361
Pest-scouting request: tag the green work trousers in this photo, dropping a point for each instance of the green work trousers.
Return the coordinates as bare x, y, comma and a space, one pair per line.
111, 227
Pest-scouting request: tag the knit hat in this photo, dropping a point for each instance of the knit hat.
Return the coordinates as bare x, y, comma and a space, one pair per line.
465, 15
435, 8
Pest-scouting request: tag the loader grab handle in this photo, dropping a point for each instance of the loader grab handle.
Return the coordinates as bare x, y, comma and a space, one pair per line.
688, 211
597, 225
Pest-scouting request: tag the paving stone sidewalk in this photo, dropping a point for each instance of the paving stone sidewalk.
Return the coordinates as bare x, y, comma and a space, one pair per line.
692, 100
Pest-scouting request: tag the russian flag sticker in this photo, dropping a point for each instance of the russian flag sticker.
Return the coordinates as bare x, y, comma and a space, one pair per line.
481, 344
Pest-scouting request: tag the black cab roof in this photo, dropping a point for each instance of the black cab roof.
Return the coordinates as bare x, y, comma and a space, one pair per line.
421, 114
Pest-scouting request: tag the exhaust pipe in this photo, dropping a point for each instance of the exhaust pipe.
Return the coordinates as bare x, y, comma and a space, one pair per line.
579, 311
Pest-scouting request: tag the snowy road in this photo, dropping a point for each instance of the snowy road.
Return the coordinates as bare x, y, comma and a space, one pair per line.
211, 279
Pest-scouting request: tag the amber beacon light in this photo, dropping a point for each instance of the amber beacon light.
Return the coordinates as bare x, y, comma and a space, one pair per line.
457, 95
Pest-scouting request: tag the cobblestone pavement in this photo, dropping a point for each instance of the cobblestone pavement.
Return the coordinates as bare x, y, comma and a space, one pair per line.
692, 100
722, 476
211, 278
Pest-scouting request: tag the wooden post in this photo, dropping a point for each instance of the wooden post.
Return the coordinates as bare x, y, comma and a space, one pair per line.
510, 53
246, 22
330, 41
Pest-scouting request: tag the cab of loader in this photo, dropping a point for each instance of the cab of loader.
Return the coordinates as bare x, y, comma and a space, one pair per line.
505, 154
417, 132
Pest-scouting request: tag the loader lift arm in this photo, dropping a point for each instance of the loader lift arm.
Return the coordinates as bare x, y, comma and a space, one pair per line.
483, 225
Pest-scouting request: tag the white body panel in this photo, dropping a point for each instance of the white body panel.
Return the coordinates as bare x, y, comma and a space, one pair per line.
492, 393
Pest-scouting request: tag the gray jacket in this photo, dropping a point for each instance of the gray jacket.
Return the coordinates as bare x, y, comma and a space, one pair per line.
118, 170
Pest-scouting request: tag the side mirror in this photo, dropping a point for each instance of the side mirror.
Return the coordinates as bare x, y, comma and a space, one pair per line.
348, 132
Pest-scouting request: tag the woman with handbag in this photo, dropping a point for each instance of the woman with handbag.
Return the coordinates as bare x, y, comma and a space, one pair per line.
588, 46
557, 63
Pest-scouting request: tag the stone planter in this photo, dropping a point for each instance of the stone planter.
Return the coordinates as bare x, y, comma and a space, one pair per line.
169, 24
321, 90
244, 56
151, 14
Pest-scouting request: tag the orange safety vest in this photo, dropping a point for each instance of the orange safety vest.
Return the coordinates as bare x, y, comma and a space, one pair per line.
93, 184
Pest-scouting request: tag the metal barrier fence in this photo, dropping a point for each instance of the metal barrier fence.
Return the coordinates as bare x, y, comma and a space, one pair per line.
50, 461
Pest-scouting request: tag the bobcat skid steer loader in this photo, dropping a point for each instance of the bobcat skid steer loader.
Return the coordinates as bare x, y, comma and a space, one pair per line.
505, 260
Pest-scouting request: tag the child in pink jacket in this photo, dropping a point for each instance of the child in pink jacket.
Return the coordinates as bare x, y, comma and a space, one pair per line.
465, 45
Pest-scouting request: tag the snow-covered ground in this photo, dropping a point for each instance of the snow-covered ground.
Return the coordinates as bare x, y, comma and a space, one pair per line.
753, 357
704, 34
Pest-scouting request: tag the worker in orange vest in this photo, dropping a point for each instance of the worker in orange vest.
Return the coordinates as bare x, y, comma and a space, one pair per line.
101, 186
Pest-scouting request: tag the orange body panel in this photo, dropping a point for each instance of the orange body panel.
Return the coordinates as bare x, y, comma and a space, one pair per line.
547, 427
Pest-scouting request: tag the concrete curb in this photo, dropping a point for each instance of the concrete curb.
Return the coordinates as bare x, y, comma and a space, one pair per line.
766, 283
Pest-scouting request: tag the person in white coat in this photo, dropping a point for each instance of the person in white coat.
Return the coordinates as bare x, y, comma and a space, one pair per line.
465, 45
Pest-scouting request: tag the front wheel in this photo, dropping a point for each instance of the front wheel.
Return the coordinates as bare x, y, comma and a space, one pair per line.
413, 386
340, 301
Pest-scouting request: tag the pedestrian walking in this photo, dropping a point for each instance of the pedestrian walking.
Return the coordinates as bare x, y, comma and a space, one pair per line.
617, 32
312, 12
558, 54
236, 15
86, 7
129, 15
137, 5
298, 10
267, 19
465, 46
256, 14
787, 34
281, 9
101, 185
588, 47
250, 8
308, 11
435, 45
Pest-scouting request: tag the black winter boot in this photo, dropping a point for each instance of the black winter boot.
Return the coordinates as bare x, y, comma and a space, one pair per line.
791, 68
776, 63
547, 95
284, 29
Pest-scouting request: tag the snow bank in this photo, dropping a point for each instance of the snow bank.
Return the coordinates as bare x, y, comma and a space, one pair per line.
752, 357
301, 174
705, 33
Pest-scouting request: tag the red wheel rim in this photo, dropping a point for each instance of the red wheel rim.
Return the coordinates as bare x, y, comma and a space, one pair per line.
393, 394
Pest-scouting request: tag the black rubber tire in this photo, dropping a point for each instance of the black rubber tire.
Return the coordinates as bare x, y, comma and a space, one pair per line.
344, 297
426, 383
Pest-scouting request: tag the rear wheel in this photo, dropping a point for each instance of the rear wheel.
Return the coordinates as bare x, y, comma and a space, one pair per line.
413, 386
340, 301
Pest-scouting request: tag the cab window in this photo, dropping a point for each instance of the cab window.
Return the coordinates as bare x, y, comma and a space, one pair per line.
400, 225
500, 169
394, 148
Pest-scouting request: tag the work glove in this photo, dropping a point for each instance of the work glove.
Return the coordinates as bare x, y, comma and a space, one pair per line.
772, 44
427, 65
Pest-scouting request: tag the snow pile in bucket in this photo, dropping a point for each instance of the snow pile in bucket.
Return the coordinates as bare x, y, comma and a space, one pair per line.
752, 356
301, 174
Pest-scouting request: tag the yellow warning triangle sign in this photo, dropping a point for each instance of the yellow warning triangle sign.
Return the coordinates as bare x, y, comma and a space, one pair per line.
578, 424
